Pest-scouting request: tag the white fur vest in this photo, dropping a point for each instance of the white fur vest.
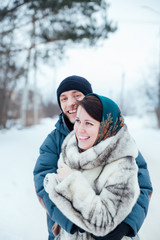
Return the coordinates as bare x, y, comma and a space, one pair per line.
103, 187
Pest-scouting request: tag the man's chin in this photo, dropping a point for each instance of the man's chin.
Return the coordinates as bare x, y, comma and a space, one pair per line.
71, 119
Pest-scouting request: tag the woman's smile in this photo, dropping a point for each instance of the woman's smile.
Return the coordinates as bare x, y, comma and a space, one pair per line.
83, 138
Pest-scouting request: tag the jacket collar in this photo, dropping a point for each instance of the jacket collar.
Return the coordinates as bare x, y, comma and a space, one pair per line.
62, 125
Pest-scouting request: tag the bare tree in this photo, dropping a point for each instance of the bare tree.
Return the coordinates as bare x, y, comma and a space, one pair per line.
45, 28
10, 72
150, 93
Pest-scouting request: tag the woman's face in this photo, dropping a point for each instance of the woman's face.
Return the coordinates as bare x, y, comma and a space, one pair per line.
86, 129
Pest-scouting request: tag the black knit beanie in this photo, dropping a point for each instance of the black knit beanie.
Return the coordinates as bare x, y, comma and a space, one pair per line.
74, 83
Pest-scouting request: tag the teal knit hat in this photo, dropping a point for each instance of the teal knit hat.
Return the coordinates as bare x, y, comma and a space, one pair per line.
112, 120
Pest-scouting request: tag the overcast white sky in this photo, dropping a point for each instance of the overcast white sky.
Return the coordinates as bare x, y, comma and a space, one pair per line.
132, 50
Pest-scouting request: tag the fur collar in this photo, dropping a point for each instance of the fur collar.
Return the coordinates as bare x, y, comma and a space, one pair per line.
107, 151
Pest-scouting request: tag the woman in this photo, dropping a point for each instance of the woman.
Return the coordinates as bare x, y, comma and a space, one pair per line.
96, 184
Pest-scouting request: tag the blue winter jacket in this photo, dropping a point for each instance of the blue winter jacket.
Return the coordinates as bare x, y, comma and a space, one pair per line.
47, 163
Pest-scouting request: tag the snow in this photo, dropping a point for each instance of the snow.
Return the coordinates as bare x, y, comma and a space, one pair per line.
21, 215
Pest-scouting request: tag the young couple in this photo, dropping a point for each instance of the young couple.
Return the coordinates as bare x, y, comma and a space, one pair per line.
93, 181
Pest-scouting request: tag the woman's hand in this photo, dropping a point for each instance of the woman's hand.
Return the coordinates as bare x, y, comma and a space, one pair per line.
63, 171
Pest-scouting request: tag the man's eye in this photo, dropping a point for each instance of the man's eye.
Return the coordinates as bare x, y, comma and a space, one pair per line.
63, 99
77, 95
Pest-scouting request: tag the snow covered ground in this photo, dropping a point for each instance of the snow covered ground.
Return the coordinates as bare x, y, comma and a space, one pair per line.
21, 215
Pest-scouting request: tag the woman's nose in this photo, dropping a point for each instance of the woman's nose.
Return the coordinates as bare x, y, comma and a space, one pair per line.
81, 128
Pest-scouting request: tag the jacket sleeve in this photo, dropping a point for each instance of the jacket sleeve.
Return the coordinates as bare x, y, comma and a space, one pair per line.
136, 217
47, 163
97, 213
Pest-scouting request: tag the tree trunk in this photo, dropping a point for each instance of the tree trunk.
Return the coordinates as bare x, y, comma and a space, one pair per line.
25, 93
158, 107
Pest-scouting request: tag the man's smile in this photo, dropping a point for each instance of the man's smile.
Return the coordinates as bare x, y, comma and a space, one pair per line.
72, 111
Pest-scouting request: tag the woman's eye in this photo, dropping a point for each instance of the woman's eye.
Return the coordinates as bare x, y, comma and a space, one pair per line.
77, 121
89, 124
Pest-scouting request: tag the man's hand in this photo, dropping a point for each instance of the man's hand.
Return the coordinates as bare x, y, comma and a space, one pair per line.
63, 171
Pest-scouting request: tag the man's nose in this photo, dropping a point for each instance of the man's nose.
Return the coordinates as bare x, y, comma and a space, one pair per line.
71, 101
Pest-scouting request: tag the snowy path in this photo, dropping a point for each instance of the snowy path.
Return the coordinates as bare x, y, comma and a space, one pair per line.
21, 215
148, 141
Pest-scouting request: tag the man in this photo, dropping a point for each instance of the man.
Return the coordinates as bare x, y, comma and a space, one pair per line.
71, 89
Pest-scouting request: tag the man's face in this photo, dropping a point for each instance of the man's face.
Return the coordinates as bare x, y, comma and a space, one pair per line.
68, 103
